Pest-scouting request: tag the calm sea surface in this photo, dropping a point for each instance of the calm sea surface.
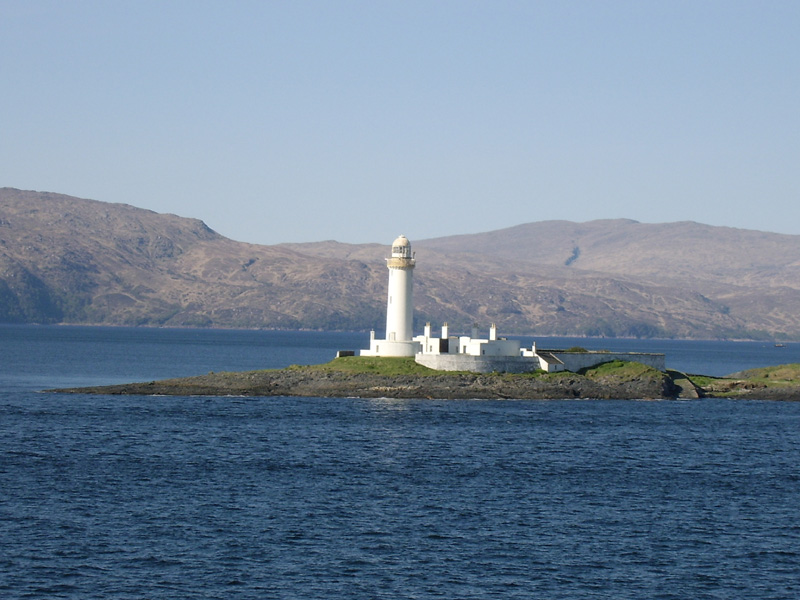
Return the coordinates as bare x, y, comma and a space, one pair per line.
156, 497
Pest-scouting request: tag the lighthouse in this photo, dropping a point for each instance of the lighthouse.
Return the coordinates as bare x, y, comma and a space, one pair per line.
467, 353
399, 306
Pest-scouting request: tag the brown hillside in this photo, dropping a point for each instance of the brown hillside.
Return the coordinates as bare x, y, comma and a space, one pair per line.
70, 260
684, 250
64, 259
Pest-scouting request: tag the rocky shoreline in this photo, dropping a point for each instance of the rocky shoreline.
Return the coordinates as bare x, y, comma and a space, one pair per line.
307, 381
622, 383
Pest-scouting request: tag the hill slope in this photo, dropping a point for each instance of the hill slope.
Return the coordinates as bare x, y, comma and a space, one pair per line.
64, 259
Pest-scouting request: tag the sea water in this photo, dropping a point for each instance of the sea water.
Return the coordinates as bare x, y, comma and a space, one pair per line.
178, 497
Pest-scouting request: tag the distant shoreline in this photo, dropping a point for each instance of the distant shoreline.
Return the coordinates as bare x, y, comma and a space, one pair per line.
365, 332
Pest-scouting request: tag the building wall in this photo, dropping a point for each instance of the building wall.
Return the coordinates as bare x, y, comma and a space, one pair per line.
478, 364
500, 348
434, 345
390, 348
485, 347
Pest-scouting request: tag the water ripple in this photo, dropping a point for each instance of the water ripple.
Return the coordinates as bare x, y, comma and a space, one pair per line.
282, 497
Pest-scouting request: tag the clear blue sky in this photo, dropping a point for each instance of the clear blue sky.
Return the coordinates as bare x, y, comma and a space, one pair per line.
290, 121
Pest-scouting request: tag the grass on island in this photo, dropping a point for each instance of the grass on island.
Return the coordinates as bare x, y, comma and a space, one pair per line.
772, 377
777, 376
620, 370
394, 366
702, 381
780, 376
376, 365
390, 366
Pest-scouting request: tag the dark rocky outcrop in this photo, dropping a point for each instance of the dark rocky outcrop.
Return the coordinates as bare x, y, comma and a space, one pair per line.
310, 381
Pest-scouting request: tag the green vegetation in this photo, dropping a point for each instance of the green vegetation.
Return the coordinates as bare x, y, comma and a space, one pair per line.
779, 376
577, 349
393, 366
774, 377
531, 374
703, 381
620, 370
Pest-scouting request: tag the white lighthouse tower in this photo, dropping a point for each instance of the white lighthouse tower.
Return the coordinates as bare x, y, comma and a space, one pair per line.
399, 306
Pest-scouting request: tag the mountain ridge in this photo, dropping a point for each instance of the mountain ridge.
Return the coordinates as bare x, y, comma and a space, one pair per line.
70, 260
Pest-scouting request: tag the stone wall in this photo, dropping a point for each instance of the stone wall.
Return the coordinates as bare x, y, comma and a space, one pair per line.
478, 364
573, 361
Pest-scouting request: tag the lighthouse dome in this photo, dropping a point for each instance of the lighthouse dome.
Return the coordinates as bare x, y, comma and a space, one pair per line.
401, 247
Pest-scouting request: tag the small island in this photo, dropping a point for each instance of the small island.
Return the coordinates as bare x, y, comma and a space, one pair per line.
403, 377
402, 365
